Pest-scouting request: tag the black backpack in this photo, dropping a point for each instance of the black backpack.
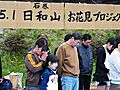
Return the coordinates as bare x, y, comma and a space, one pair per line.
6, 85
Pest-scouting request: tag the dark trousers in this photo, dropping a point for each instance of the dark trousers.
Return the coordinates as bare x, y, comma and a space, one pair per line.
59, 83
84, 82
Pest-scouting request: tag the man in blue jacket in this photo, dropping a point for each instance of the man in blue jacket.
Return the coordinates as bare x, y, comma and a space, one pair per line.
85, 54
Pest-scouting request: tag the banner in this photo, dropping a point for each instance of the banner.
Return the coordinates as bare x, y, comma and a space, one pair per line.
43, 15
92, 16
31, 15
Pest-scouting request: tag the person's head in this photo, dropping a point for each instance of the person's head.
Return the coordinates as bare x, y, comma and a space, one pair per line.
86, 40
74, 39
42, 36
110, 43
67, 37
40, 46
52, 61
117, 42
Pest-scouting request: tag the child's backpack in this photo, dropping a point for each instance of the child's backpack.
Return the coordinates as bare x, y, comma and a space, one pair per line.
6, 85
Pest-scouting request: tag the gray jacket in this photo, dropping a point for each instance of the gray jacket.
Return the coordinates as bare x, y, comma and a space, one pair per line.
85, 55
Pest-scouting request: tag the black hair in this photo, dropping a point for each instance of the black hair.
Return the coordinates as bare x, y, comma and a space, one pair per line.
111, 41
86, 37
77, 36
67, 37
42, 43
51, 58
117, 41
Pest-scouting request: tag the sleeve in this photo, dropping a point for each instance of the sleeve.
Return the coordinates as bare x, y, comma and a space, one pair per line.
79, 57
92, 58
60, 54
101, 58
44, 81
31, 65
116, 62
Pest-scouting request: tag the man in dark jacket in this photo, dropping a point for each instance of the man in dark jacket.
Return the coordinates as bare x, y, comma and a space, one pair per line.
85, 54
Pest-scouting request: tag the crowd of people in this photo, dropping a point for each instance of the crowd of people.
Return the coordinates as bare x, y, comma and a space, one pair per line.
70, 67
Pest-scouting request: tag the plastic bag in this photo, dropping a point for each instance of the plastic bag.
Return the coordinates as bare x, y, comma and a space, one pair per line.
16, 79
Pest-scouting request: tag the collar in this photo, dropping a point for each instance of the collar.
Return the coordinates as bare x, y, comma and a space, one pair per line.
85, 46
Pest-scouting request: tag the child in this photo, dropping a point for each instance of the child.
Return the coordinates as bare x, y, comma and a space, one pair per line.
49, 78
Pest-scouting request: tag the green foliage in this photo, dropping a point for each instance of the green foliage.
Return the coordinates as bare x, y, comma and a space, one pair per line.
15, 42
20, 40
13, 62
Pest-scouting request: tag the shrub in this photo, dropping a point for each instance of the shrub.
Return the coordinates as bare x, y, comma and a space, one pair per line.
15, 42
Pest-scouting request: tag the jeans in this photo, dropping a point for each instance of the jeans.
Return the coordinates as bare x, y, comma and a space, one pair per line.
70, 83
32, 88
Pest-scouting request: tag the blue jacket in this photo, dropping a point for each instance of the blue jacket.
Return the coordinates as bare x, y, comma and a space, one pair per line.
45, 78
85, 55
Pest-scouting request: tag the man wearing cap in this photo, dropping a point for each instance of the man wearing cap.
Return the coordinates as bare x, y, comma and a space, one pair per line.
34, 62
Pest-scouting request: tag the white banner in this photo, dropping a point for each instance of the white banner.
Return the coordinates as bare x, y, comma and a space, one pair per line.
43, 15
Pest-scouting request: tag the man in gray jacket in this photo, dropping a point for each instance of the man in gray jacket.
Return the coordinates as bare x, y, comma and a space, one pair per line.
85, 54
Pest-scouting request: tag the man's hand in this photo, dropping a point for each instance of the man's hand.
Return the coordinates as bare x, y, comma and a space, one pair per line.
44, 56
